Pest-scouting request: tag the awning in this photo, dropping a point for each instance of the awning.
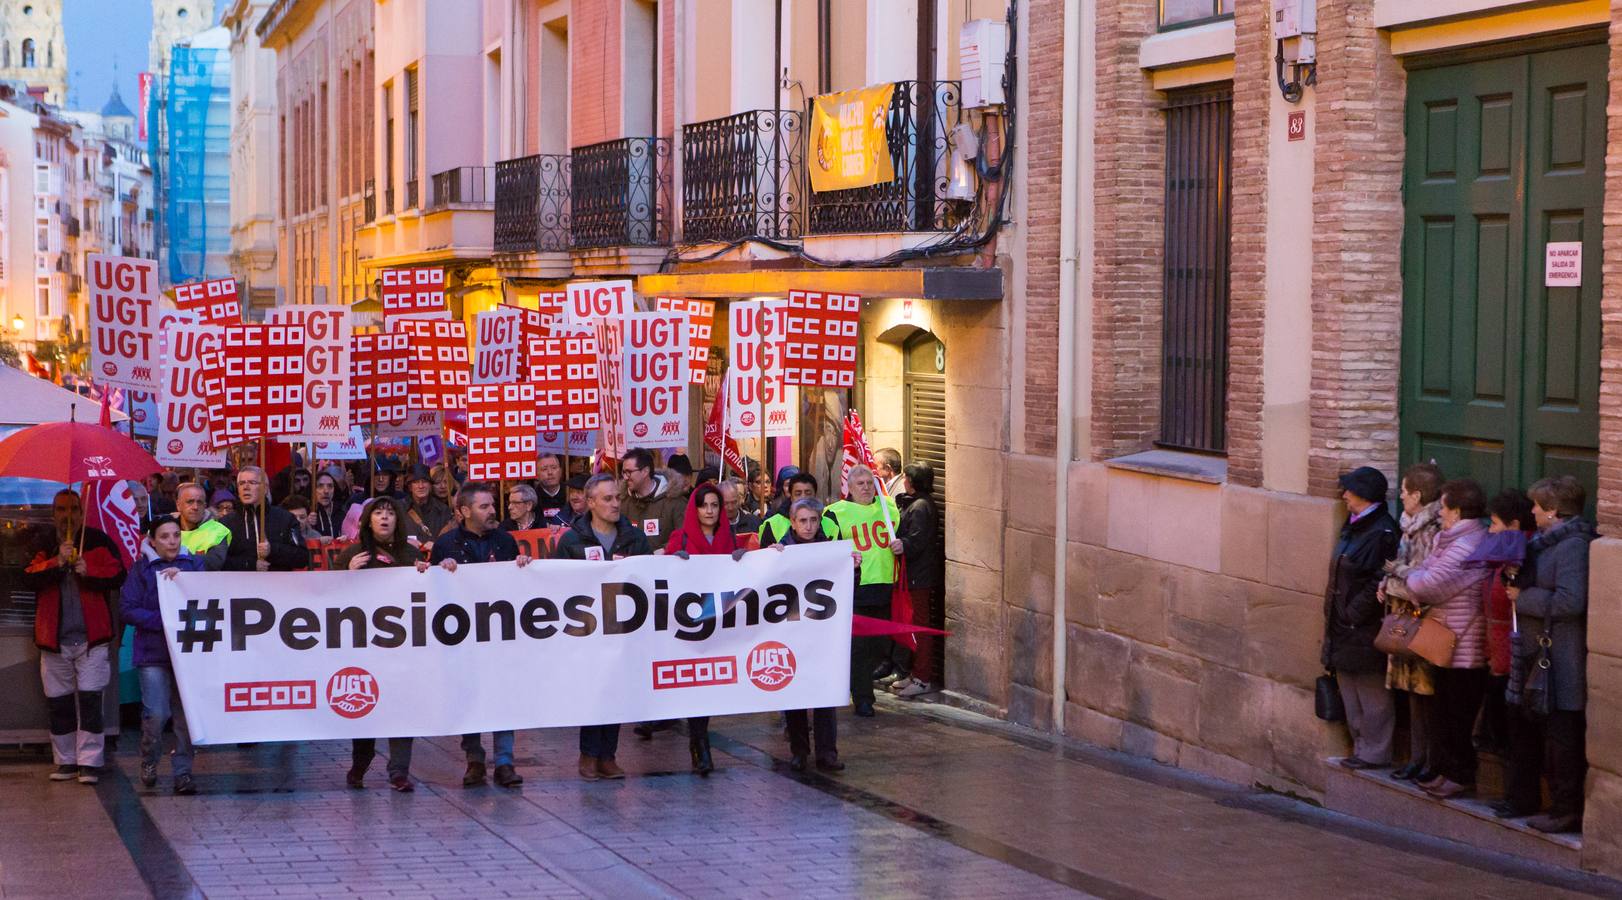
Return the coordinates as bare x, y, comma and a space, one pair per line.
939, 283
31, 401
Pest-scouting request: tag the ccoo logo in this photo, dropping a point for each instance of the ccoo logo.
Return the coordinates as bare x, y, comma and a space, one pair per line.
352, 692
771, 666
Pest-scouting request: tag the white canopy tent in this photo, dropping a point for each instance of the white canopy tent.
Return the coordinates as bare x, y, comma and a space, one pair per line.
26, 400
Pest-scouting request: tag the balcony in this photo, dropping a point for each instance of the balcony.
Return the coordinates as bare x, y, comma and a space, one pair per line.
743, 176
369, 200
468, 187
921, 116
413, 197
73, 227
620, 194
532, 204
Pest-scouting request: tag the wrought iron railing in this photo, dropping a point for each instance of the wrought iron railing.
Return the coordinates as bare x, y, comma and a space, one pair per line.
369, 199
532, 204
620, 193
922, 114
464, 186
413, 196
743, 176
73, 226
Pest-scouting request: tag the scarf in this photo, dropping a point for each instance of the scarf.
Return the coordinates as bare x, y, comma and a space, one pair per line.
690, 536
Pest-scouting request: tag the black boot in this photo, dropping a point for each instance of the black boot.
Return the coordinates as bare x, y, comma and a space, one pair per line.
700, 748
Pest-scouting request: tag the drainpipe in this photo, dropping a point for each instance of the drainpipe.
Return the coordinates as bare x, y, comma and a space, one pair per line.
1069, 270
678, 105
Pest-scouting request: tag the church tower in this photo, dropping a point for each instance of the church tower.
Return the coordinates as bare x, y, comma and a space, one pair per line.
174, 22
32, 50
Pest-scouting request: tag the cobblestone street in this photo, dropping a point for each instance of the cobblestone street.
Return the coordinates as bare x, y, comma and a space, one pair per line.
936, 802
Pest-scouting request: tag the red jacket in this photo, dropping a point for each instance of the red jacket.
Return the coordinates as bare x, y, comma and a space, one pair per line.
104, 573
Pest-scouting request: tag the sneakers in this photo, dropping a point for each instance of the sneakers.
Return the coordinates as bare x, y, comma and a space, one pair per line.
474, 775
149, 774
65, 773
1551, 823
184, 786
508, 777
402, 784
913, 688
88, 775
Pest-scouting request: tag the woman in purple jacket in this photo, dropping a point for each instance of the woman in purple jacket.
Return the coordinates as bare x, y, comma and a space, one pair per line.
161, 556
1451, 594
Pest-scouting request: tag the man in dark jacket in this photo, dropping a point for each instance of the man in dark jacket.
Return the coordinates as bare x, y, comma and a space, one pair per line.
551, 495
73, 573
479, 540
160, 695
601, 534
264, 538
1352, 615
648, 501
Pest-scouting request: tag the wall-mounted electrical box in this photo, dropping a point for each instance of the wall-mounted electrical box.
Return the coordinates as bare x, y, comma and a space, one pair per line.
1295, 24
983, 57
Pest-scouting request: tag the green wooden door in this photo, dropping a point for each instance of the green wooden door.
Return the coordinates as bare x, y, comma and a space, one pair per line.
1500, 374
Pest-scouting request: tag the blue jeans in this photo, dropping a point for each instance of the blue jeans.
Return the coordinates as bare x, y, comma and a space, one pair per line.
503, 741
599, 741
160, 699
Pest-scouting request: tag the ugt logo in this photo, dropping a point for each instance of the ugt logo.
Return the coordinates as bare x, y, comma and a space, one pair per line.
352, 692
771, 666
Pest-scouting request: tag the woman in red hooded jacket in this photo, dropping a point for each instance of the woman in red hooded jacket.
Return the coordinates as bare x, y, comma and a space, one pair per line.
702, 533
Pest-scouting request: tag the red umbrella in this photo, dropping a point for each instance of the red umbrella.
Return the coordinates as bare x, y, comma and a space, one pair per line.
73, 451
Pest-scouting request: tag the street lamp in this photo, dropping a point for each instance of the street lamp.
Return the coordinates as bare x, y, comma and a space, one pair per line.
17, 323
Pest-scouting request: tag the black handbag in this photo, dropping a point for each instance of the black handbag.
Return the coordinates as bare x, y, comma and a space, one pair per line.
1529, 664
1327, 704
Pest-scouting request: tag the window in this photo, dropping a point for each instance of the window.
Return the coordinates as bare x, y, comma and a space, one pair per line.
326, 141
1199, 214
1174, 13
388, 149
42, 297
28, 53
411, 147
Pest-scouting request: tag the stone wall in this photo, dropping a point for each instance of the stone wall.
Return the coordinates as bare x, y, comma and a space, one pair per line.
1195, 617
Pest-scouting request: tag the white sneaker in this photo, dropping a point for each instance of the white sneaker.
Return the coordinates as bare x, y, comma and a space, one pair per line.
900, 684
915, 689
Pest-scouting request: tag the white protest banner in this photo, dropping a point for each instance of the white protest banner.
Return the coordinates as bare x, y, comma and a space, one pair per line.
326, 367
417, 423
654, 386
498, 349
183, 424
124, 320
592, 301
566, 443
351, 447
755, 390
144, 412
610, 381
290, 656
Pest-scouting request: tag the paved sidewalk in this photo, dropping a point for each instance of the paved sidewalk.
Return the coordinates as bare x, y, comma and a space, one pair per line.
935, 803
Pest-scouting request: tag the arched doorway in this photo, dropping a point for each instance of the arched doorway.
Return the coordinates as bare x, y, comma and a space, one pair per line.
924, 389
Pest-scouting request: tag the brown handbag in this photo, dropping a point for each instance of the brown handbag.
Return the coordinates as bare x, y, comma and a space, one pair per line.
1406, 634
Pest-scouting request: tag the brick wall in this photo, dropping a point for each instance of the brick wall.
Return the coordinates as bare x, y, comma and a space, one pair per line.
1356, 247
1610, 400
1044, 77
594, 71
1253, 88
1128, 234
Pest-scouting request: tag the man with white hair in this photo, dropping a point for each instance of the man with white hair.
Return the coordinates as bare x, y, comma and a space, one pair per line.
264, 538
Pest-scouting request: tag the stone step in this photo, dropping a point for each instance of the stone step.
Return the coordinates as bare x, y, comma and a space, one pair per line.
1374, 795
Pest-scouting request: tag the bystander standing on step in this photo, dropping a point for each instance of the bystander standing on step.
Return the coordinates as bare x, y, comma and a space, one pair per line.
1352, 614
1410, 676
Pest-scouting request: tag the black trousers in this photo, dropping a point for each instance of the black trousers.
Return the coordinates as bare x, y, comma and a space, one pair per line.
826, 727
697, 727
1453, 722
599, 741
1554, 745
865, 652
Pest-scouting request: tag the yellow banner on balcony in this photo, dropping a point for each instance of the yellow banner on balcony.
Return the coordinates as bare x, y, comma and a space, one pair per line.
849, 147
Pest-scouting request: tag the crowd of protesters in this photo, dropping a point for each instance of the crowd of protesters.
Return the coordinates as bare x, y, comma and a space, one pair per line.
384, 514
1468, 615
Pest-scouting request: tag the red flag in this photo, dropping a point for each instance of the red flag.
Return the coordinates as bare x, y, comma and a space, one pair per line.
857, 452
106, 410
716, 438
110, 507
36, 368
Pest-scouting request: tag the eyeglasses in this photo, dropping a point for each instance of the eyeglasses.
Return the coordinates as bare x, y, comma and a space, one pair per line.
632, 470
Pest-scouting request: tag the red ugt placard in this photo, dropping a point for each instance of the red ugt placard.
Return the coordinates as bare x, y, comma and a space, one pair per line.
819, 344
440, 374
564, 371
215, 301
501, 431
263, 382
700, 322
417, 292
380, 368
